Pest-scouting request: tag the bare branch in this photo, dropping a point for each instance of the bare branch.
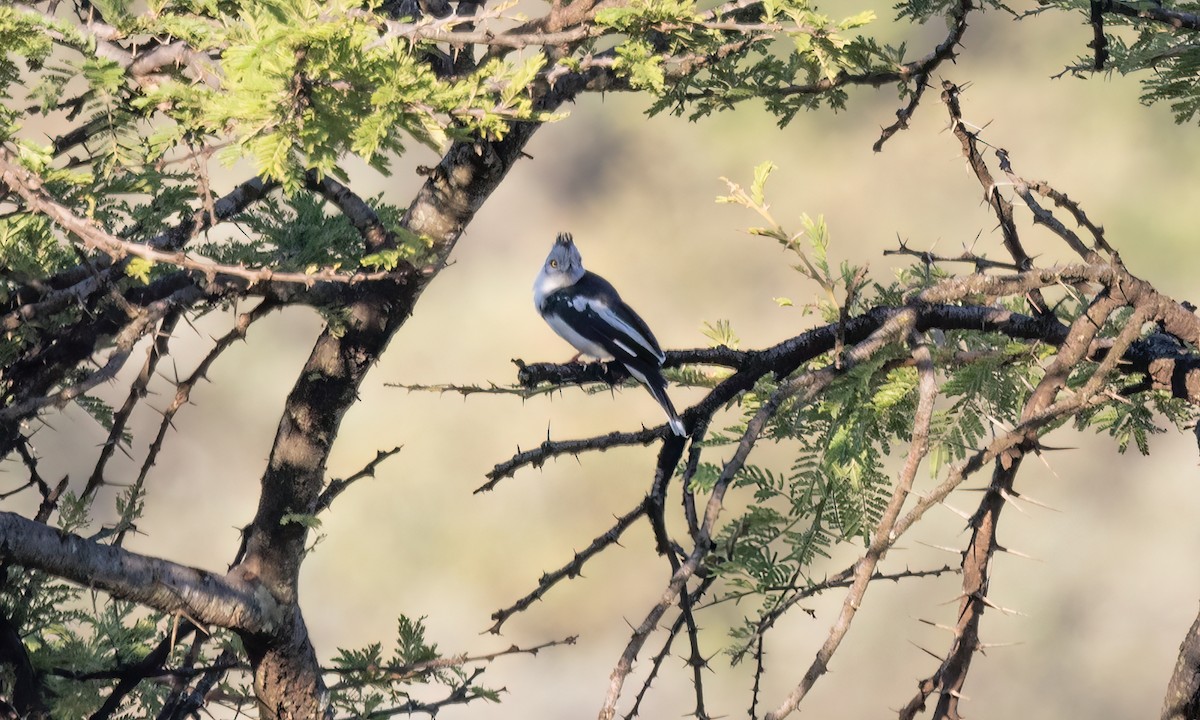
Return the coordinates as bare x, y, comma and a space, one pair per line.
184, 389
146, 318
807, 386
137, 391
555, 448
230, 601
995, 199
572, 568
337, 486
1157, 13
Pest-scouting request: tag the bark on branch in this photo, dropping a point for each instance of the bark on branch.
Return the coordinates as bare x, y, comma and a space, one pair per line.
229, 601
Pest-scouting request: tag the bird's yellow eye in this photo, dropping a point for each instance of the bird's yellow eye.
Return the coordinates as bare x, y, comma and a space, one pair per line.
554, 264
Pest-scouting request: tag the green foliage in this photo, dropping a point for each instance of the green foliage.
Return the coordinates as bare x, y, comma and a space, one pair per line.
367, 682
833, 492
813, 262
29, 248
302, 84
721, 333
74, 637
836, 480
1167, 60
102, 413
299, 233
796, 60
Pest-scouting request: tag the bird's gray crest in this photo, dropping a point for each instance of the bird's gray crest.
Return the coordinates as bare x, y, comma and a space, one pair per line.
563, 267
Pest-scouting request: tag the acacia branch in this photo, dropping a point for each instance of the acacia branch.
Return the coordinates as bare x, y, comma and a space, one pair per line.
137, 391
949, 678
93, 237
144, 66
882, 538
146, 318
229, 601
995, 199
75, 285
286, 674
783, 358
657, 661
572, 568
1042, 216
1157, 13
807, 386
338, 485
841, 579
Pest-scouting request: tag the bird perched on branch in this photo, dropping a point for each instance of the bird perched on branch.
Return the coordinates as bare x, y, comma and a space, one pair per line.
587, 312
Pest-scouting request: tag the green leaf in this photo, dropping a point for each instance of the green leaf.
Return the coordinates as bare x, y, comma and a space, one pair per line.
139, 269
311, 522
721, 333
761, 173
637, 61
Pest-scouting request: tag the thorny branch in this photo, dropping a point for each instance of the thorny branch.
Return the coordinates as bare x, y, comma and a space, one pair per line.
958, 303
882, 538
572, 568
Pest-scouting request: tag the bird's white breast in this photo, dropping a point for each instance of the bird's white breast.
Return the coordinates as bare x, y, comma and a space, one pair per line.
547, 283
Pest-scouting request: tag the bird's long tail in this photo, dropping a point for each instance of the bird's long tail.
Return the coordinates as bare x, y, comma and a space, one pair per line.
654, 381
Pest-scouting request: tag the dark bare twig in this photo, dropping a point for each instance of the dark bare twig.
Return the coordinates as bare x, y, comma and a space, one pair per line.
338, 486
25, 450
1155, 12
995, 199
841, 579
183, 390
688, 497
1042, 216
137, 391
554, 448
189, 705
759, 669
980, 262
668, 459
924, 69
1099, 41
572, 568
657, 661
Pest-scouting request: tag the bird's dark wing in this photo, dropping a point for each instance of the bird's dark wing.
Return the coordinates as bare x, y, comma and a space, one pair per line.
595, 312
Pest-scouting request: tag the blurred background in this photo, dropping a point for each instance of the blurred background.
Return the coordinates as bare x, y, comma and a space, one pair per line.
1098, 614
